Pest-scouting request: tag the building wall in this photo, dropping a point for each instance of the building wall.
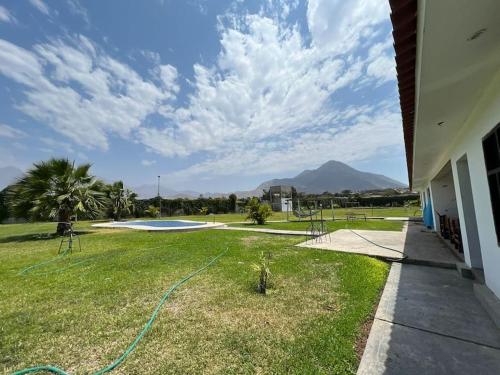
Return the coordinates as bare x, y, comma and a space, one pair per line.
482, 120
445, 202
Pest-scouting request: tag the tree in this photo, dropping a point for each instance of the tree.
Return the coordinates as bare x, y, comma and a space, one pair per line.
232, 202
4, 210
56, 189
121, 200
258, 212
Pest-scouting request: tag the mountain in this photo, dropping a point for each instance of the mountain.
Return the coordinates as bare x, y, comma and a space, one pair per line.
8, 175
333, 176
151, 191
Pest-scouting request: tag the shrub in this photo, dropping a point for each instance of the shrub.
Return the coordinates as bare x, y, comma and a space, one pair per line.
264, 273
152, 211
258, 212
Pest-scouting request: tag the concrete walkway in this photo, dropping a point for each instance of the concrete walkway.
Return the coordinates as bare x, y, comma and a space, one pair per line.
429, 322
414, 241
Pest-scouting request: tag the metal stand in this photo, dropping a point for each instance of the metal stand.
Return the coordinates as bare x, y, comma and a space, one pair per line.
69, 237
318, 232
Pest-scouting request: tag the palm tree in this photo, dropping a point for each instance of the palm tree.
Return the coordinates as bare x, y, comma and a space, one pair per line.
56, 189
122, 200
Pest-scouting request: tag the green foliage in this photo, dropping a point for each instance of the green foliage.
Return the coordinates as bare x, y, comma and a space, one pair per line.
152, 211
204, 211
232, 202
184, 206
258, 212
120, 200
4, 209
57, 189
264, 272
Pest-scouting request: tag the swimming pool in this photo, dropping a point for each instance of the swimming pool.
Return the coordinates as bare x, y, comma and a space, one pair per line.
159, 225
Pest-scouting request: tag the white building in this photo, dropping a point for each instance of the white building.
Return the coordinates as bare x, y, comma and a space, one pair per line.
448, 64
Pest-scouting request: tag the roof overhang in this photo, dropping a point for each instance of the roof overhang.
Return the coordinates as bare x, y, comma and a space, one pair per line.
447, 53
404, 23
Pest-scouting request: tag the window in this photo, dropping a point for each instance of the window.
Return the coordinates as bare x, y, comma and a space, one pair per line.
491, 149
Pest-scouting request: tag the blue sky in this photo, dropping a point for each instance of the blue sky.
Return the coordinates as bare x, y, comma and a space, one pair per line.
211, 95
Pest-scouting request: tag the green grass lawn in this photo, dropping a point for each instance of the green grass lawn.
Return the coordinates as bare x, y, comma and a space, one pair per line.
331, 225
81, 311
374, 212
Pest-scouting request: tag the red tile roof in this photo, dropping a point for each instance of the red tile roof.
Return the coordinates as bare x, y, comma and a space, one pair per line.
404, 24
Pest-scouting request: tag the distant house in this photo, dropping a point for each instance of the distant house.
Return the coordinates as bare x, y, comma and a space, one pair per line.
448, 68
280, 197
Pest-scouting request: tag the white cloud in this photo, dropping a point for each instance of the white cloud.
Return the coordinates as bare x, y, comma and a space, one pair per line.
383, 68
267, 105
306, 150
151, 56
41, 6
148, 163
287, 6
337, 25
168, 76
77, 9
57, 145
10, 132
66, 149
81, 92
6, 16
266, 83
381, 63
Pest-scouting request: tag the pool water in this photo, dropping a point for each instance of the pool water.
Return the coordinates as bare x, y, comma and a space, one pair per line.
160, 223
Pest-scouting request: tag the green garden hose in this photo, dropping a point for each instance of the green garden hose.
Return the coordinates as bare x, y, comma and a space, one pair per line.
64, 253
59, 256
147, 327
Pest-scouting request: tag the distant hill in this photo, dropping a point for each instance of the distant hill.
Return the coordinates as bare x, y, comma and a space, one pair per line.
8, 175
333, 176
151, 191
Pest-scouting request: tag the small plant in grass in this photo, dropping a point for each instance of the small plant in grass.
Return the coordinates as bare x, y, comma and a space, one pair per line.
258, 212
264, 273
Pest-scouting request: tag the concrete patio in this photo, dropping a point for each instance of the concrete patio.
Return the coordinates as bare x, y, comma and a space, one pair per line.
415, 242
429, 322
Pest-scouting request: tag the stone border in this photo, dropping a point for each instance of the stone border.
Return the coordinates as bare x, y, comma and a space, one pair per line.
112, 225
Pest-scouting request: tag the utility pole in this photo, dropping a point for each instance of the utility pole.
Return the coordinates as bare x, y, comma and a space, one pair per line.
159, 197
333, 210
